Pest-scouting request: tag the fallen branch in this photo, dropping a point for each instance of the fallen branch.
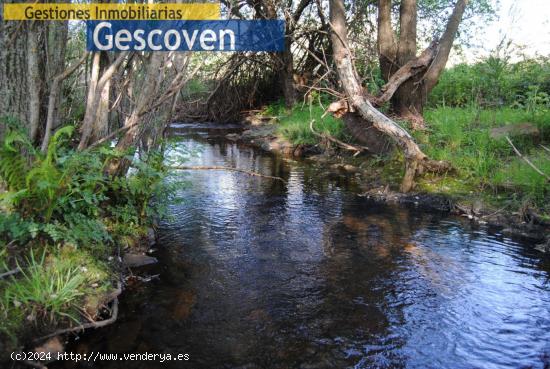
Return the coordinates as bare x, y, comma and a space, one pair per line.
407, 71
216, 167
11, 272
525, 159
52, 100
357, 149
100, 324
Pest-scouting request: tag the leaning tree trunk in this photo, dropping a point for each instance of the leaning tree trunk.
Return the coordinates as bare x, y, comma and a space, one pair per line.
415, 159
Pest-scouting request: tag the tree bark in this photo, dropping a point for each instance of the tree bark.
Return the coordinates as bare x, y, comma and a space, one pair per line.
58, 33
119, 166
287, 74
406, 72
434, 71
387, 45
13, 72
93, 105
54, 100
409, 80
33, 71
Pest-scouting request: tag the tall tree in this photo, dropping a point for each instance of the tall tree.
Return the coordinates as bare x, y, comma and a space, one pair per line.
409, 77
416, 161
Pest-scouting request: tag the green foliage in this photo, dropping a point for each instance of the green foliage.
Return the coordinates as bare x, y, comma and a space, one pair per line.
294, 124
56, 196
65, 198
461, 136
495, 82
50, 289
12, 163
45, 290
517, 174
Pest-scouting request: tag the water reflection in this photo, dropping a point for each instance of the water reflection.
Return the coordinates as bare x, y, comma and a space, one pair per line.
257, 273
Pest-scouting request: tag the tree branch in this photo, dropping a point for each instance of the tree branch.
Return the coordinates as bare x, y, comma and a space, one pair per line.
216, 167
56, 86
524, 158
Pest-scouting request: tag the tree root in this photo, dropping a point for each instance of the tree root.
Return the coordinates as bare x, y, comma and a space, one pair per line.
114, 315
417, 167
11, 272
343, 145
217, 167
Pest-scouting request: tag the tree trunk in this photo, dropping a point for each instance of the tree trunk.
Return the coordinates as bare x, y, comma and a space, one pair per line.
287, 74
94, 99
344, 65
119, 166
14, 93
387, 46
57, 34
446, 43
409, 96
33, 72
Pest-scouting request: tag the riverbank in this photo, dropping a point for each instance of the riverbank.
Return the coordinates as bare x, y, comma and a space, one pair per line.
68, 233
309, 273
489, 182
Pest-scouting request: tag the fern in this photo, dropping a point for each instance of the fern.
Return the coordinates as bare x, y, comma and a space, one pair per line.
13, 165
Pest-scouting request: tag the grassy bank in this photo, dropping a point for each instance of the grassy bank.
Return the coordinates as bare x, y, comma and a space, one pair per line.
63, 224
293, 124
485, 167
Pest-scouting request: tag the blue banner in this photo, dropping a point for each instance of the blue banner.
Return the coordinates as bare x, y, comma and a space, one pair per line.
181, 35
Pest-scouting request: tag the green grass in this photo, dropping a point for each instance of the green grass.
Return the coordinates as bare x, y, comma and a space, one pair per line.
461, 136
51, 290
294, 124
482, 165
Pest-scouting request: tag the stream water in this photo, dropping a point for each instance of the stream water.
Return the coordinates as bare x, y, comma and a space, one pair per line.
259, 273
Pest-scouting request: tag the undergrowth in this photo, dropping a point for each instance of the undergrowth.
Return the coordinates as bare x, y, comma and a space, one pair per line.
62, 219
293, 124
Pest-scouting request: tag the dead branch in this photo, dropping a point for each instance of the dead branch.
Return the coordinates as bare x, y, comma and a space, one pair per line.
406, 72
346, 146
56, 86
524, 158
11, 272
99, 324
216, 167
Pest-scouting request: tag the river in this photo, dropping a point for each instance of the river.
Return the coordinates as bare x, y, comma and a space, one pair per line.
307, 273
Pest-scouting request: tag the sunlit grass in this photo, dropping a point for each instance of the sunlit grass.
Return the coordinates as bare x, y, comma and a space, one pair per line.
51, 289
461, 136
294, 124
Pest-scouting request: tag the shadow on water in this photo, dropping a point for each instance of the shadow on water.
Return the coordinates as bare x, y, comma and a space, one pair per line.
256, 273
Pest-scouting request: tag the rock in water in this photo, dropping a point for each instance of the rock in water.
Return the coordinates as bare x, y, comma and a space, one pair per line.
137, 260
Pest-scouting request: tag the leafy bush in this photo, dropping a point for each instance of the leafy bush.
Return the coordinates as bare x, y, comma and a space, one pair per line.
65, 196
65, 201
493, 82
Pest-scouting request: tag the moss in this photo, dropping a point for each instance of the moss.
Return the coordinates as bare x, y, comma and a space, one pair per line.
54, 285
